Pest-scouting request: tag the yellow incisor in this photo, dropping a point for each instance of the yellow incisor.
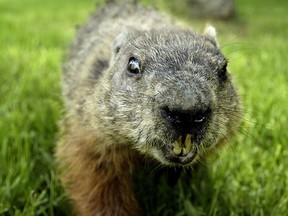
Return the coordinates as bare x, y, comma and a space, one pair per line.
183, 145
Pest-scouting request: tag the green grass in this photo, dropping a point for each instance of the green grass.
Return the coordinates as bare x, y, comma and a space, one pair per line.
250, 176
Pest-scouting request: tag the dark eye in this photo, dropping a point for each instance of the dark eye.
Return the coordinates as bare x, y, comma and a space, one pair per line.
222, 73
133, 66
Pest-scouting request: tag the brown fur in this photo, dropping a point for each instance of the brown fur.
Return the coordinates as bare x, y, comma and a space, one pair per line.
98, 182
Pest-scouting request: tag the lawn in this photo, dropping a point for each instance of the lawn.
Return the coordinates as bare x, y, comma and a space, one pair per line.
248, 177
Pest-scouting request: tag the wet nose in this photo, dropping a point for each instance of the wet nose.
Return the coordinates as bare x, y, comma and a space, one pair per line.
187, 121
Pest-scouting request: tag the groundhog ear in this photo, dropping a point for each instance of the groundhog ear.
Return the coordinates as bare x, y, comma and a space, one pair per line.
118, 42
122, 38
210, 31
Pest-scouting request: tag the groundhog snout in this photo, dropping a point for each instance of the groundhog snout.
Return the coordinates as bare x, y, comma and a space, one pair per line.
190, 121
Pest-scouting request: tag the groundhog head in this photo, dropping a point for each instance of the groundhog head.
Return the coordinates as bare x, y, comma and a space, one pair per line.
166, 93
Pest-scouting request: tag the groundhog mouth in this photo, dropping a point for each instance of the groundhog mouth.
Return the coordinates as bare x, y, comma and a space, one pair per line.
182, 151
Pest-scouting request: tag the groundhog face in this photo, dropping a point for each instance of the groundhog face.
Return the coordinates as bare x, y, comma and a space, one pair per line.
169, 95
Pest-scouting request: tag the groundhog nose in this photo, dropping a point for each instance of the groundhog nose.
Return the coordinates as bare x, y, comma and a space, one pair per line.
186, 121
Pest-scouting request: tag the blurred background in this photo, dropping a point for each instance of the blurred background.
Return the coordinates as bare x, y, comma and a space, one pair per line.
248, 177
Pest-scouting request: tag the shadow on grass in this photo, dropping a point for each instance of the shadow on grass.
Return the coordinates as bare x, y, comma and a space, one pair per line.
175, 192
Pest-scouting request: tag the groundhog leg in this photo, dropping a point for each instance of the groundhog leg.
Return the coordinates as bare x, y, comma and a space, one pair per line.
98, 182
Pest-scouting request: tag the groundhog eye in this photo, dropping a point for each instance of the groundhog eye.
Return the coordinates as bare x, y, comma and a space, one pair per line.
222, 73
133, 66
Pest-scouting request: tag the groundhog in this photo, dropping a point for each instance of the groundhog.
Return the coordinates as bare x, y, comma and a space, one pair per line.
138, 87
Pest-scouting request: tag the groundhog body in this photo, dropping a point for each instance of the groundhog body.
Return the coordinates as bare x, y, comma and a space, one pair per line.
138, 87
